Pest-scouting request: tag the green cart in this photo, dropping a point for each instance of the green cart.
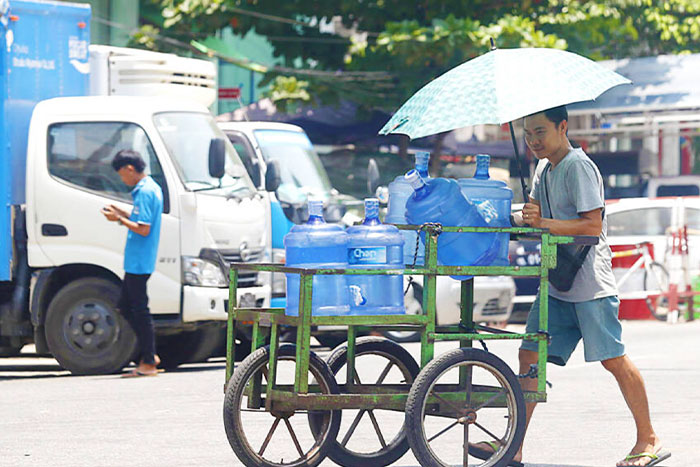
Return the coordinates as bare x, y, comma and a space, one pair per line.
370, 401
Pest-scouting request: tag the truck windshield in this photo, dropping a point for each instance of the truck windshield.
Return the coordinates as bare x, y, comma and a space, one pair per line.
301, 171
187, 136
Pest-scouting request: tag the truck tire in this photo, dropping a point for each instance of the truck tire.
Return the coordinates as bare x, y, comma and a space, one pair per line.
84, 331
187, 346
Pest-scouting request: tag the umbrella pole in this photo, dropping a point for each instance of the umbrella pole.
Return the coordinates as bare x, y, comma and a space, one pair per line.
517, 160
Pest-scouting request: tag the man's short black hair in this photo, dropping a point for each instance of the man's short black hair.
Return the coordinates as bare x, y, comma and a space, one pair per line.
128, 157
557, 115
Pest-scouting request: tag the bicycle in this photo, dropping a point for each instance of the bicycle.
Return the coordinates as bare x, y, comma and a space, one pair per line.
656, 279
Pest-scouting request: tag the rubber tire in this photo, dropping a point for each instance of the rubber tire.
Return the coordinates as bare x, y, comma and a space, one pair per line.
187, 346
234, 392
414, 403
113, 358
408, 336
650, 305
336, 360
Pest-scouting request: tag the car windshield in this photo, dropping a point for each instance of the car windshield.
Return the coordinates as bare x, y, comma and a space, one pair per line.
187, 136
301, 171
643, 221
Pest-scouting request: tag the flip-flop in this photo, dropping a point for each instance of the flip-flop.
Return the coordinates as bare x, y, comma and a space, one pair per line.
483, 454
660, 456
138, 374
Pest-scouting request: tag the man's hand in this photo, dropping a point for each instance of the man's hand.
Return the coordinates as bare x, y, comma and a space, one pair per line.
532, 215
119, 211
110, 213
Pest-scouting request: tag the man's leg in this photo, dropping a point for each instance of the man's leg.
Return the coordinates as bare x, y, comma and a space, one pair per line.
526, 358
143, 322
632, 387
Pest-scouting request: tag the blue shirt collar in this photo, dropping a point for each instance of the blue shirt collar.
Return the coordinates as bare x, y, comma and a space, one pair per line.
138, 186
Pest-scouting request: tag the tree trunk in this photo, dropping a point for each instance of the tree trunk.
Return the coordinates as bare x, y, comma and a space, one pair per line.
435, 162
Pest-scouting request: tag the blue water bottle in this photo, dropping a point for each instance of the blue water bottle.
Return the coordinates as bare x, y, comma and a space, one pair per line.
493, 199
314, 245
441, 200
399, 192
373, 245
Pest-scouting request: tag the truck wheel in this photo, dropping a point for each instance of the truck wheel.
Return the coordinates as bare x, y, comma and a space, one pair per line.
187, 346
84, 331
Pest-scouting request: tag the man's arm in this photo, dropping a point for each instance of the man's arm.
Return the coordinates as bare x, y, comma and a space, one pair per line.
136, 227
588, 223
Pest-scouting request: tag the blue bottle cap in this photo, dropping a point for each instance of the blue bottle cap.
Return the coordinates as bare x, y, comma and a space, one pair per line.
414, 178
371, 208
315, 208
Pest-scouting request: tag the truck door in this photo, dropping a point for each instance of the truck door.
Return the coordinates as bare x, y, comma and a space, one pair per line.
78, 182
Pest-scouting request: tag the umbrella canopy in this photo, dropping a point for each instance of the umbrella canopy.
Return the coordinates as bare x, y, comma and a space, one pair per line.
499, 87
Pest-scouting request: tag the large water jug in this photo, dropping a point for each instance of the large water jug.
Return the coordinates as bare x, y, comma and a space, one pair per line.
399, 192
441, 200
493, 199
314, 245
373, 245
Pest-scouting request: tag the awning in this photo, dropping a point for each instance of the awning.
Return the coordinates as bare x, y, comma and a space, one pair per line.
665, 82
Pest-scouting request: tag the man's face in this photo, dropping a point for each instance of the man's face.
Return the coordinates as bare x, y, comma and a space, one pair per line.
128, 175
543, 137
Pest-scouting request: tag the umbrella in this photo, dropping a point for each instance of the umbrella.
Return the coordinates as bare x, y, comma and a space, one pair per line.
501, 86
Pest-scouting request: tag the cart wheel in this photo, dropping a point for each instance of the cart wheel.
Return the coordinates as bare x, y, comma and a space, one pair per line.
262, 438
442, 414
379, 435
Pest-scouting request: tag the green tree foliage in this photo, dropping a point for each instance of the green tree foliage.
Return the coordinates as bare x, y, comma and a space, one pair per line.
417, 41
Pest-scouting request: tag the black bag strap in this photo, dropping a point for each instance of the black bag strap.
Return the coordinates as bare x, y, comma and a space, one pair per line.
581, 257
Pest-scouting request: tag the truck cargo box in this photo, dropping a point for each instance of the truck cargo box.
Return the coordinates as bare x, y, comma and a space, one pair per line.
44, 54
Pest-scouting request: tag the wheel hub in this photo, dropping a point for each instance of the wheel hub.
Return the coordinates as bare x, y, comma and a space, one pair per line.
469, 418
90, 327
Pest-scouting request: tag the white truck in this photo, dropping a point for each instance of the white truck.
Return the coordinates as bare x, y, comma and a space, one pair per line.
60, 261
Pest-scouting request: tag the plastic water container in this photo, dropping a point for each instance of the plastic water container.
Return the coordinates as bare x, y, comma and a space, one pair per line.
399, 192
492, 198
373, 245
315, 245
441, 200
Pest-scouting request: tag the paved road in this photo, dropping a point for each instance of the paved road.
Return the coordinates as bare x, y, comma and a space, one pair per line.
49, 418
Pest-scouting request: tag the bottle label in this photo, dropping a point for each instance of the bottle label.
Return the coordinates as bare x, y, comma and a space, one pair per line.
374, 255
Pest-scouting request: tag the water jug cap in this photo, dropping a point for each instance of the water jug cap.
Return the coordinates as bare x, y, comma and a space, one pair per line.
422, 158
482, 166
371, 209
414, 178
315, 207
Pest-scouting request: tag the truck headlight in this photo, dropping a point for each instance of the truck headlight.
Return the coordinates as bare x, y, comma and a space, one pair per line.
202, 273
279, 282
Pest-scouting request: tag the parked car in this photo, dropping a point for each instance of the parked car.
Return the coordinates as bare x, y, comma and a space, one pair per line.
636, 220
630, 221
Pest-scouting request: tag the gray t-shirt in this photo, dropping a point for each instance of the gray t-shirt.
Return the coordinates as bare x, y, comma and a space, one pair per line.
575, 186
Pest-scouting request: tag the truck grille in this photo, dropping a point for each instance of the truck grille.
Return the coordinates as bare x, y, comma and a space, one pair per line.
245, 278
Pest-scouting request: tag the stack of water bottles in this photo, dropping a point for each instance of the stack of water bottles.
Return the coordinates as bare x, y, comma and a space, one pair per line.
371, 245
469, 202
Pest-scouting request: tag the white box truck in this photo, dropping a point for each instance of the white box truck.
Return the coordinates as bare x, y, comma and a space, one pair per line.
60, 260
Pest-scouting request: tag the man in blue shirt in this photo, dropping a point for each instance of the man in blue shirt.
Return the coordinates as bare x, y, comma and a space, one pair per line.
140, 252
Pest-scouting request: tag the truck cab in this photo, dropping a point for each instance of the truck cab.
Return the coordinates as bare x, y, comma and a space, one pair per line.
206, 224
301, 175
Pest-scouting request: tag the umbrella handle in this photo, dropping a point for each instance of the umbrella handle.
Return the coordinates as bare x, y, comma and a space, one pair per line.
517, 159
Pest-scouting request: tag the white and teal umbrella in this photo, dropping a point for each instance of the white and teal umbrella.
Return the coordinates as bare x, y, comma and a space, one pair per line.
501, 86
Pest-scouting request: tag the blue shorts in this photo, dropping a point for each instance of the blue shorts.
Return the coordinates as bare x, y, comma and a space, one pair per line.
596, 321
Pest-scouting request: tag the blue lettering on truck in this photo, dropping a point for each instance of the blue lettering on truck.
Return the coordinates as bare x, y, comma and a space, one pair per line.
374, 255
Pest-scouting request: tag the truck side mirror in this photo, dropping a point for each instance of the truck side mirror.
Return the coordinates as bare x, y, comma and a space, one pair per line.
272, 176
217, 157
372, 177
